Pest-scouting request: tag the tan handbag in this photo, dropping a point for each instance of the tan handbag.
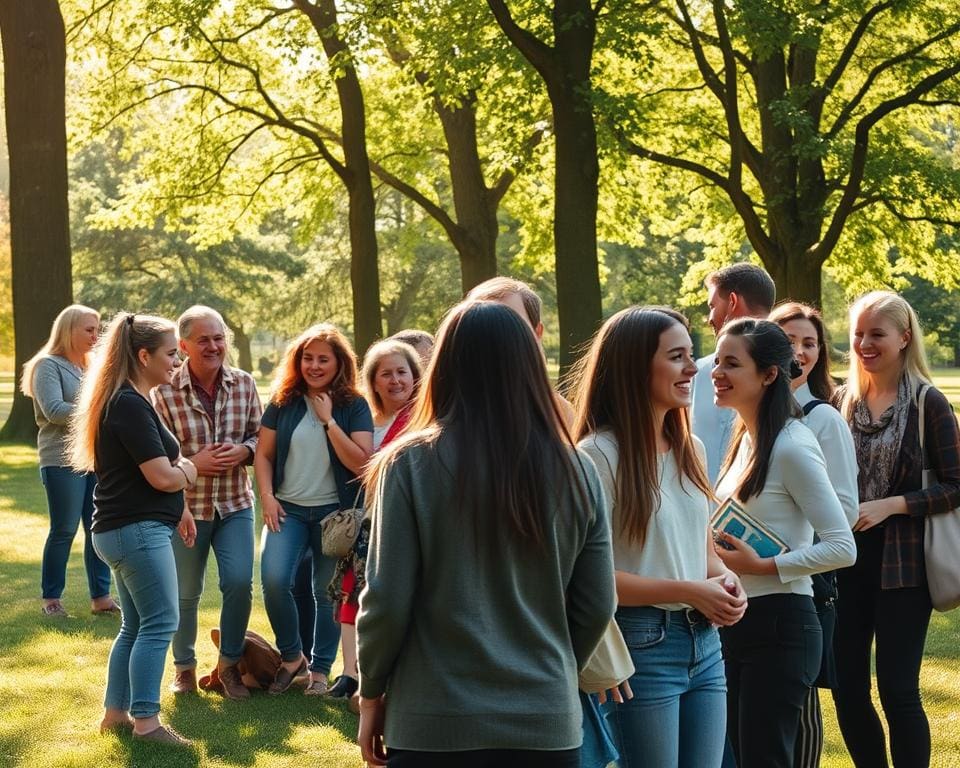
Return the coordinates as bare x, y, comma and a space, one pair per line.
339, 530
941, 540
610, 663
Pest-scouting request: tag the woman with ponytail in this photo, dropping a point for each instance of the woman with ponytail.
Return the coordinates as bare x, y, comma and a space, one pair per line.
137, 504
776, 472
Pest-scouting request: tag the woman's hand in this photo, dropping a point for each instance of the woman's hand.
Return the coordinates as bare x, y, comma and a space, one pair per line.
187, 528
370, 732
273, 514
619, 694
715, 599
875, 512
322, 406
743, 559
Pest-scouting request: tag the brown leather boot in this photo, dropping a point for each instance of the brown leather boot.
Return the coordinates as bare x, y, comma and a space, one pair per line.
185, 681
233, 687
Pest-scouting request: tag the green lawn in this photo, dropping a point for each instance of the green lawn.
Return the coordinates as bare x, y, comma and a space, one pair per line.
51, 672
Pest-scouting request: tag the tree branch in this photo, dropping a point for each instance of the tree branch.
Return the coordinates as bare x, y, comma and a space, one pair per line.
850, 48
500, 187
539, 54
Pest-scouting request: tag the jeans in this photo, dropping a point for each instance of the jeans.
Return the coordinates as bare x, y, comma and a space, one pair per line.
231, 538
772, 657
306, 605
484, 758
896, 621
677, 716
70, 502
598, 749
280, 555
141, 556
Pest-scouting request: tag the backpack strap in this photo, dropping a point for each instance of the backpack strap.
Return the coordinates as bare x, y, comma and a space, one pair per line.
813, 404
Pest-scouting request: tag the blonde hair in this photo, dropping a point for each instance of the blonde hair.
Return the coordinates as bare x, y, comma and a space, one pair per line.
898, 311
375, 356
60, 342
114, 362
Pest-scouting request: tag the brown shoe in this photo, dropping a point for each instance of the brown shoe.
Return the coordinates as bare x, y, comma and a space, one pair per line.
284, 678
164, 735
233, 687
185, 681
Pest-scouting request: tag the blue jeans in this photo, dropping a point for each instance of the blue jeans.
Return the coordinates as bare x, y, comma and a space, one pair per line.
141, 556
70, 502
231, 538
598, 749
677, 716
280, 555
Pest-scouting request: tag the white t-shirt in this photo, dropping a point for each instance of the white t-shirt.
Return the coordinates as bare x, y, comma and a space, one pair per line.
797, 499
675, 546
307, 474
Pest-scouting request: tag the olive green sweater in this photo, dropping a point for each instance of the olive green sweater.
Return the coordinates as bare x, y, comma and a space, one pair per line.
479, 650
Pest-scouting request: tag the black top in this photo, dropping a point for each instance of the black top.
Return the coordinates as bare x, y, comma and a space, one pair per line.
130, 434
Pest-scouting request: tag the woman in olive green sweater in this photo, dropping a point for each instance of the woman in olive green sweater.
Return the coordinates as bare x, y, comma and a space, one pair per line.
490, 573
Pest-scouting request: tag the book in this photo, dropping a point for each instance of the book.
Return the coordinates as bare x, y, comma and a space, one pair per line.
733, 519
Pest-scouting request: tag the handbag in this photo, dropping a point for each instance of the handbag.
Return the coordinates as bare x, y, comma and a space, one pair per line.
339, 530
941, 540
609, 664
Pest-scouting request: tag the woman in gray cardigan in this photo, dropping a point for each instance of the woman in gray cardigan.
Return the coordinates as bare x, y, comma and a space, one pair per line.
489, 571
52, 378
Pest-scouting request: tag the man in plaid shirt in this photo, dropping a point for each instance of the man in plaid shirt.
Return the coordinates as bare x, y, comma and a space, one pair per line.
214, 411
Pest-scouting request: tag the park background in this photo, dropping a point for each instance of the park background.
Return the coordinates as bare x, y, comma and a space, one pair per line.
364, 163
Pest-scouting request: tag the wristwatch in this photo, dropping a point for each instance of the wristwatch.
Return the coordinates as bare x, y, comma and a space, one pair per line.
331, 422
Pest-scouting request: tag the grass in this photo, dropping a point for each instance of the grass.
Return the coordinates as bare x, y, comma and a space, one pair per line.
52, 672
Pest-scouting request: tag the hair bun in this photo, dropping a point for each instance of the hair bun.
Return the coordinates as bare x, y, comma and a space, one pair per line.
795, 370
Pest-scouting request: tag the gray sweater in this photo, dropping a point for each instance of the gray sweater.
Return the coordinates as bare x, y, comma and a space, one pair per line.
56, 384
479, 651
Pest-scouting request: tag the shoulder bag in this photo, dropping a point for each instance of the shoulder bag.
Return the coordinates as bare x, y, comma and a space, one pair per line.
941, 539
339, 530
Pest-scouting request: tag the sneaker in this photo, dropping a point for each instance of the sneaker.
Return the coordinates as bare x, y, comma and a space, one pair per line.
54, 609
344, 688
164, 735
233, 687
185, 681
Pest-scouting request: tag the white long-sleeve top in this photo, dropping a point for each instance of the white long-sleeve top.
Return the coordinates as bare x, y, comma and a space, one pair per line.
797, 500
836, 442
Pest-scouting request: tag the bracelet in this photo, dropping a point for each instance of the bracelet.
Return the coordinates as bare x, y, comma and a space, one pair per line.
331, 422
184, 473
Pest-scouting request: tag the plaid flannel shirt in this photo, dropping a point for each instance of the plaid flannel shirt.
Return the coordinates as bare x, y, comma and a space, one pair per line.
903, 563
237, 420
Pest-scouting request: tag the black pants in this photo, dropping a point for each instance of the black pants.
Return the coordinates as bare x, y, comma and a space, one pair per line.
772, 657
897, 620
485, 758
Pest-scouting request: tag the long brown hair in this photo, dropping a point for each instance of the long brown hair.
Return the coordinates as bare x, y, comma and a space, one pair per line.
613, 392
114, 362
819, 380
288, 380
487, 392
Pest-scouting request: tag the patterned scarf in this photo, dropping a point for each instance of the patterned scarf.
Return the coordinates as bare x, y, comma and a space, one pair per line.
878, 442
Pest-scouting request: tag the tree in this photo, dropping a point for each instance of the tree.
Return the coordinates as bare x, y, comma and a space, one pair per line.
34, 56
809, 118
565, 66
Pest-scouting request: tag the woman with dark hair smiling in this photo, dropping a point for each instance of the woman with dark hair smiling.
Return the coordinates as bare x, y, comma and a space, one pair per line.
814, 390
489, 574
776, 472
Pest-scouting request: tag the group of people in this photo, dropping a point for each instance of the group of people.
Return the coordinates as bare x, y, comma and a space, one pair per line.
515, 540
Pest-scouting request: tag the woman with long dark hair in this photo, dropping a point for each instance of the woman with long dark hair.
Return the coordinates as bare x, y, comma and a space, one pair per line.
814, 391
672, 589
489, 574
775, 471
137, 504
316, 435
884, 599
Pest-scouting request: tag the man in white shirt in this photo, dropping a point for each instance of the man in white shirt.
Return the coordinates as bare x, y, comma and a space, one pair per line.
739, 290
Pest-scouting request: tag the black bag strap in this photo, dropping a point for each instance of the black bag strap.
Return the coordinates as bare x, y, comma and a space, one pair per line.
813, 404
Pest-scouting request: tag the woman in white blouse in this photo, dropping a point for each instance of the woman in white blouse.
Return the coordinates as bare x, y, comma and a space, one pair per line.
814, 390
672, 589
775, 469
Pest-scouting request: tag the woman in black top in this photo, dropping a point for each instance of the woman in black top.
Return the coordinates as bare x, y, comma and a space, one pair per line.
138, 502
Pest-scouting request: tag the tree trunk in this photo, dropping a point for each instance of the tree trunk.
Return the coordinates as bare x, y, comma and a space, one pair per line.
244, 353
576, 182
797, 277
34, 60
364, 268
476, 211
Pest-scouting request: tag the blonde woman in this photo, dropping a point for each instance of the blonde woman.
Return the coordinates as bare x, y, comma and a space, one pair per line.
883, 597
137, 504
52, 378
